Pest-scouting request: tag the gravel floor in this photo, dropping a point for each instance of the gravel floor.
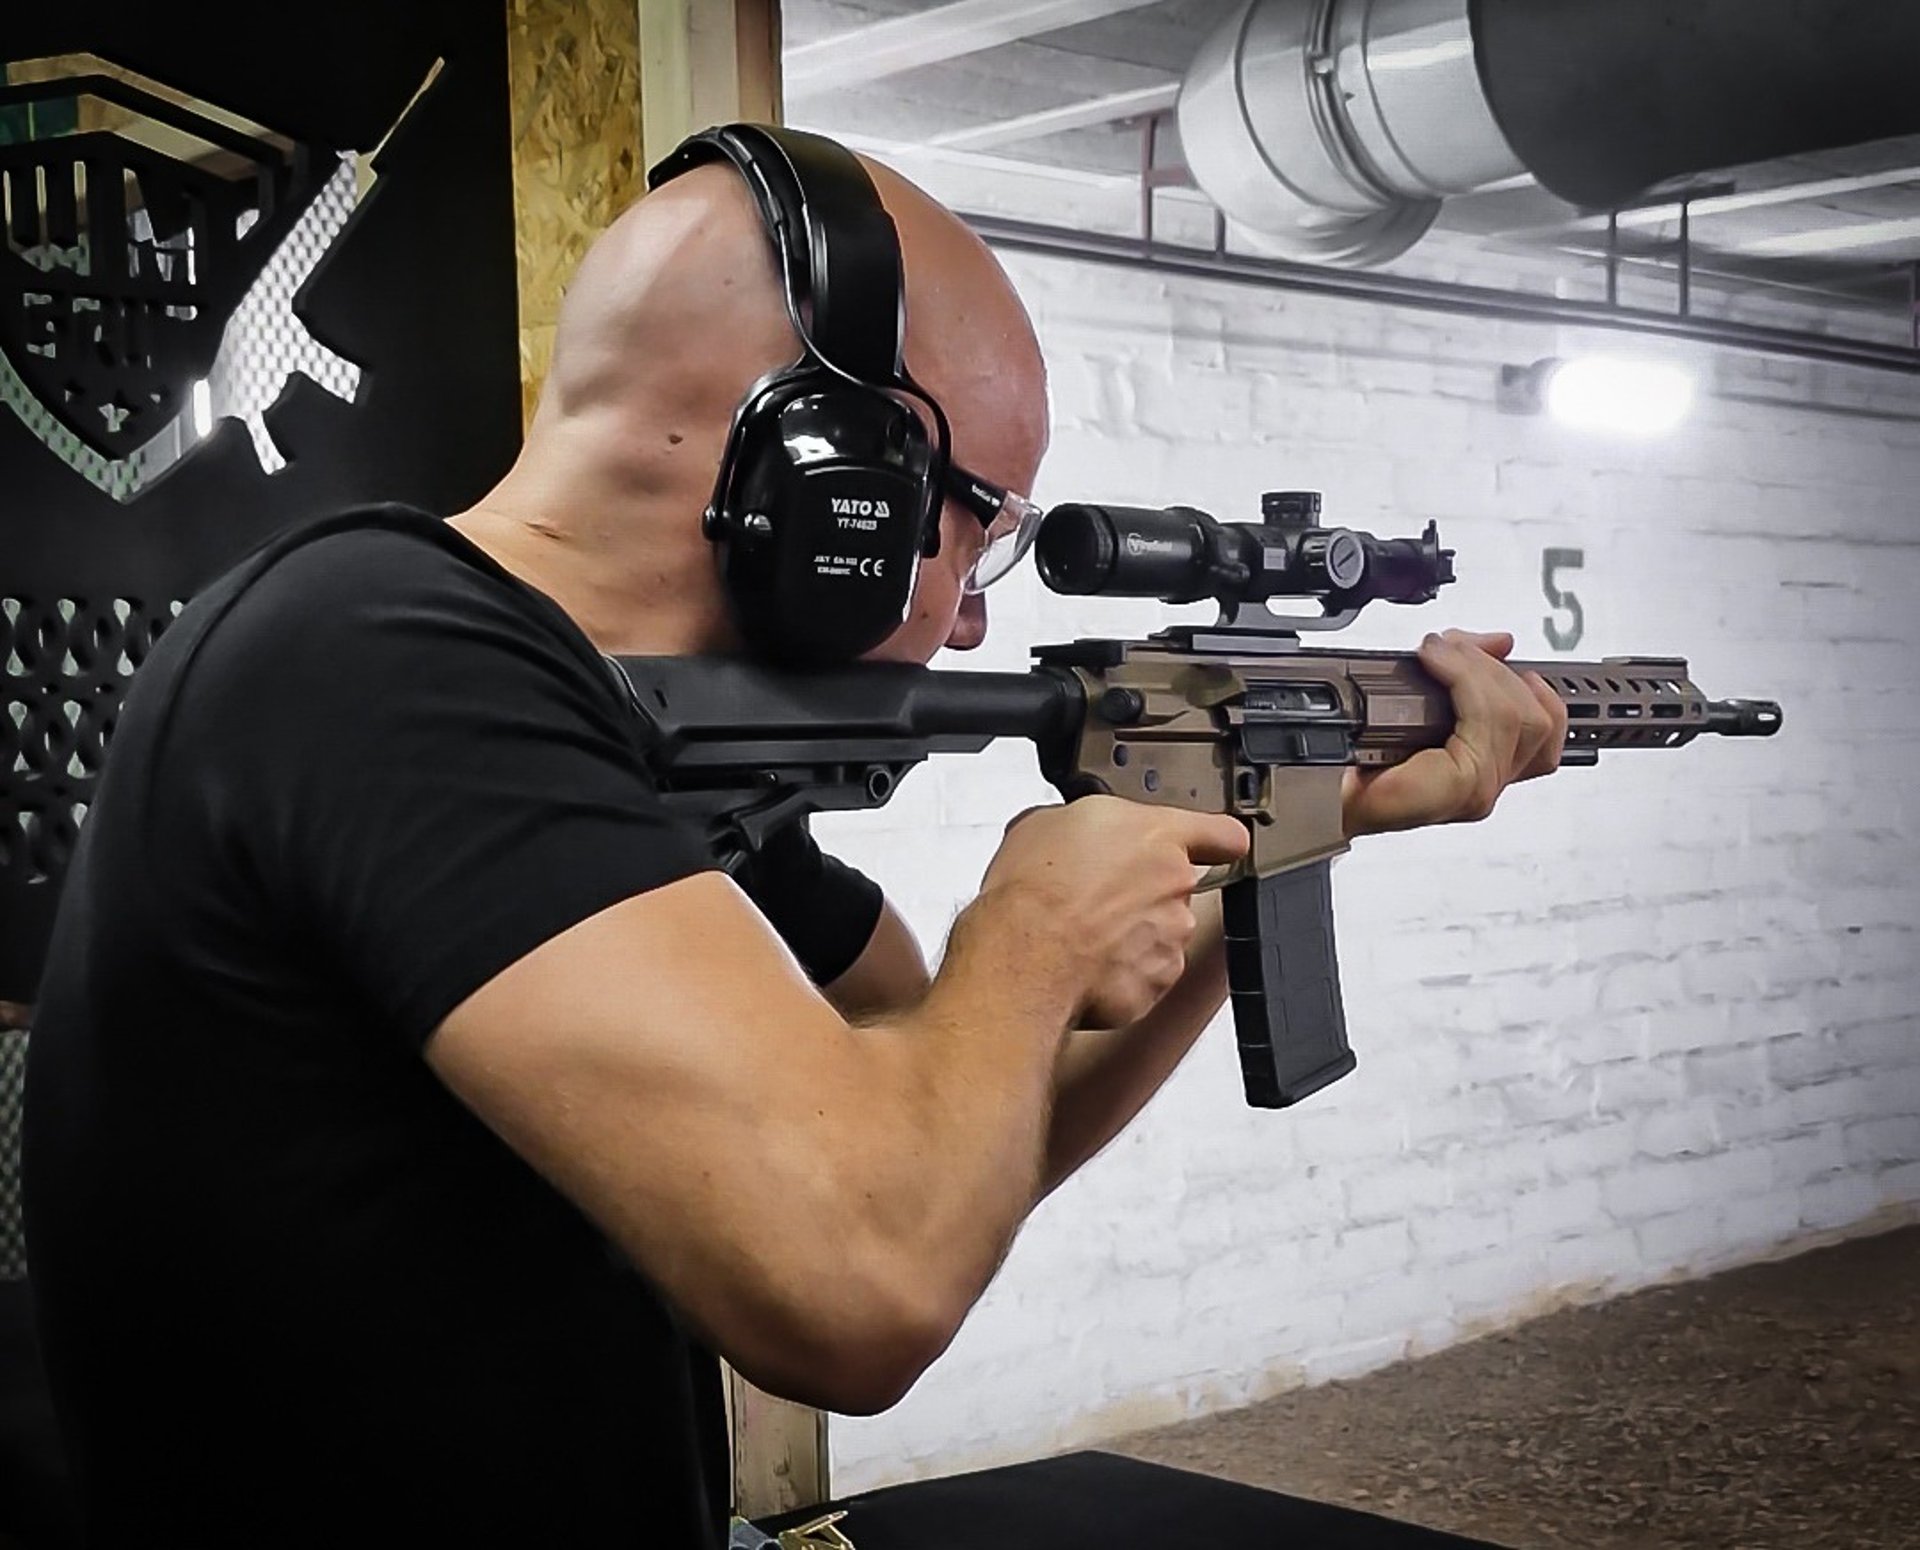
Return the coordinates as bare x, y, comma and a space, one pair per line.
1771, 1408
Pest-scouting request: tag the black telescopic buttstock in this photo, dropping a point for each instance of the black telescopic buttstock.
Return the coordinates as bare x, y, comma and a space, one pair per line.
1284, 978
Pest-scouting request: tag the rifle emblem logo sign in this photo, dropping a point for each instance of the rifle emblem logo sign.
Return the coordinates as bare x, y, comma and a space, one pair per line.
152, 253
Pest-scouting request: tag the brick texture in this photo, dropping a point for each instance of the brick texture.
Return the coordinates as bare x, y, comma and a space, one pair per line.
1650, 1020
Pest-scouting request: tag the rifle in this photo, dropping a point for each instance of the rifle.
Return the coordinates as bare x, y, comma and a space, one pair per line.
1234, 717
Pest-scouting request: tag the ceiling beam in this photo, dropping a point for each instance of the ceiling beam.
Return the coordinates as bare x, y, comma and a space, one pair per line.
928, 37
1141, 102
1767, 198
1852, 237
907, 152
1733, 204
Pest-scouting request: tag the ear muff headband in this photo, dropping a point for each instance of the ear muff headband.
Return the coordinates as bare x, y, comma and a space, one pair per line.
835, 239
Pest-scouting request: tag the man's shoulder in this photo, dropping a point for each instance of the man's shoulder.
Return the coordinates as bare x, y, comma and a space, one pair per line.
366, 609
362, 584
355, 560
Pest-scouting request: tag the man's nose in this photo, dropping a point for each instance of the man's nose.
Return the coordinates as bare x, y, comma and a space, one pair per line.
970, 624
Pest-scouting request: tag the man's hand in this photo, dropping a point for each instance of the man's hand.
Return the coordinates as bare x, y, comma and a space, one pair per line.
1117, 881
1509, 727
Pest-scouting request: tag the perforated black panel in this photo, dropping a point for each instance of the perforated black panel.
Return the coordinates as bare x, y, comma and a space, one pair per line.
13, 1084
249, 275
66, 666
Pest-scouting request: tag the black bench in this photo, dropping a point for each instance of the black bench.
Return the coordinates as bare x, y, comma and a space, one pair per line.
1100, 1501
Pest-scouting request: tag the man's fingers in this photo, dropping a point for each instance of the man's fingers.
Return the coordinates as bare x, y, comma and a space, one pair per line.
1554, 741
1498, 644
1490, 704
1428, 788
1460, 666
1210, 839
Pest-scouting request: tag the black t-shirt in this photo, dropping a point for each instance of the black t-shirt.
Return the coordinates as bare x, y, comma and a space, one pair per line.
292, 1291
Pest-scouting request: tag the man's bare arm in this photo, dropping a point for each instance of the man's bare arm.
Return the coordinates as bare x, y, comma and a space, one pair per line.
1103, 1077
666, 1065
824, 1200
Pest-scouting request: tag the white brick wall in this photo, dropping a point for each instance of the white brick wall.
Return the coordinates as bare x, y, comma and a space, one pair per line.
1652, 1019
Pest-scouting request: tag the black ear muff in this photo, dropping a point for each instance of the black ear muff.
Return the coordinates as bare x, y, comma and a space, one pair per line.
828, 492
823, 524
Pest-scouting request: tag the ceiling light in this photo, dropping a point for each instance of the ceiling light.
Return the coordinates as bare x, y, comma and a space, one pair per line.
1602, 393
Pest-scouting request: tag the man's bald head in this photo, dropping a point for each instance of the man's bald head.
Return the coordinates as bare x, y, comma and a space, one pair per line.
678, 310
682, 293
678, 300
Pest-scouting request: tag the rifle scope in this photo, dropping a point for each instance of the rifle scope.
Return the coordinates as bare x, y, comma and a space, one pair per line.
1182, 555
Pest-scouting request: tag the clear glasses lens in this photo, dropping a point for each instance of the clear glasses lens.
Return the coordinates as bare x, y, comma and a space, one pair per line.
1009, 536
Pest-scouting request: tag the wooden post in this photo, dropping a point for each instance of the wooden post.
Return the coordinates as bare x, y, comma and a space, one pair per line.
574, 67
706, 62
602, 90
780, 1461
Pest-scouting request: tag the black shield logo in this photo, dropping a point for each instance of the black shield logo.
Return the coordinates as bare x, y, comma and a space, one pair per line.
135, 222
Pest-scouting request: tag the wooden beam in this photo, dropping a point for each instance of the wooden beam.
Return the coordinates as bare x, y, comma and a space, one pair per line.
574, 73
602, 89
779, 1452
707, 62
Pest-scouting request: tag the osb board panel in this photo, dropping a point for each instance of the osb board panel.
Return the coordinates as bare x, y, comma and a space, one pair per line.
576, 148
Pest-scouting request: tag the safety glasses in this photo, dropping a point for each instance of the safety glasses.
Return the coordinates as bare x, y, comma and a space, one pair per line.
1011, 521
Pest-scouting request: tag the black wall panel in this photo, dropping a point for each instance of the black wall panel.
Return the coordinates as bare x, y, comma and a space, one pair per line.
416, 290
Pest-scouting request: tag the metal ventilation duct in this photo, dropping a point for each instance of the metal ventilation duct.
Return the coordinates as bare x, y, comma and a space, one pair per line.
1333, 129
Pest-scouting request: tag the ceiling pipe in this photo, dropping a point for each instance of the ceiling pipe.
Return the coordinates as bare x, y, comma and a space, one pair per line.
1334, 129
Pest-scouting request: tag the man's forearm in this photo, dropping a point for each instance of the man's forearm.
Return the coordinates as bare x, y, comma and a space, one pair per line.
1105, 1077
974, 1062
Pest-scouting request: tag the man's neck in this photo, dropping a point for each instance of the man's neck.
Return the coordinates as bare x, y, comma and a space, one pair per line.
628, 598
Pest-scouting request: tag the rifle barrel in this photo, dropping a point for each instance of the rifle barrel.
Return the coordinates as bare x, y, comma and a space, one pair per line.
1743, 718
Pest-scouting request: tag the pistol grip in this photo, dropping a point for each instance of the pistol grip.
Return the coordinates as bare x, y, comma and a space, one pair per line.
1284, 977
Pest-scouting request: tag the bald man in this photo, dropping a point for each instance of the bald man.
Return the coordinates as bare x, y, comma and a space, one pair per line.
415, 1109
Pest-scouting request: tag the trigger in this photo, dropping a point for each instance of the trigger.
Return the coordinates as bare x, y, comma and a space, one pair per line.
1219, 876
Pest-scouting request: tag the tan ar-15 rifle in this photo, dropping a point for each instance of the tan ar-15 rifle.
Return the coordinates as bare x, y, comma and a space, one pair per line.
1235, 717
